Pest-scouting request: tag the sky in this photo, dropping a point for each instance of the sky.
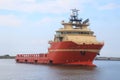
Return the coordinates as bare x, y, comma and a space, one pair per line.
26, 26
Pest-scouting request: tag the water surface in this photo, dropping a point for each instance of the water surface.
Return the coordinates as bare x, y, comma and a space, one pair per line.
105, 70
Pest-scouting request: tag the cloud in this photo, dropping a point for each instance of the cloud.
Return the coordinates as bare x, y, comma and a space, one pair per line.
26, 7
9, 20
110, 6
49, 6
35, 6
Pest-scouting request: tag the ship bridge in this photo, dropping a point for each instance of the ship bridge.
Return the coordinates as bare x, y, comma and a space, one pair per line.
75, 30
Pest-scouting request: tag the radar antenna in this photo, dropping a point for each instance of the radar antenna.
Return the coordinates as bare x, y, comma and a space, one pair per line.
74, 16
86, 21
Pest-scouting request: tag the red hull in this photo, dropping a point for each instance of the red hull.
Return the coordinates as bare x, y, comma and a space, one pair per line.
64, 53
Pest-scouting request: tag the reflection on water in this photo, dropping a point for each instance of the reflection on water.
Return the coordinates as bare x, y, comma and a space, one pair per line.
72, 72
105, 70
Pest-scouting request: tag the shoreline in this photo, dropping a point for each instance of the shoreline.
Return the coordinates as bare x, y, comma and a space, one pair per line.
108, 58
7, 57
97, 58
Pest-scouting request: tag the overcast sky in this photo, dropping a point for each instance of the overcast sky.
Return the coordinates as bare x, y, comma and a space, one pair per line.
26, 26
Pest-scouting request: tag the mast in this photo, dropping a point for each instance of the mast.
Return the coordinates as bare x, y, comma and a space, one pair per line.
77, 22
74, 16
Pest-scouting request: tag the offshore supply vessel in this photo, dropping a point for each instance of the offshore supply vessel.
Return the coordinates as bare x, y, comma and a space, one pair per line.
74, 44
